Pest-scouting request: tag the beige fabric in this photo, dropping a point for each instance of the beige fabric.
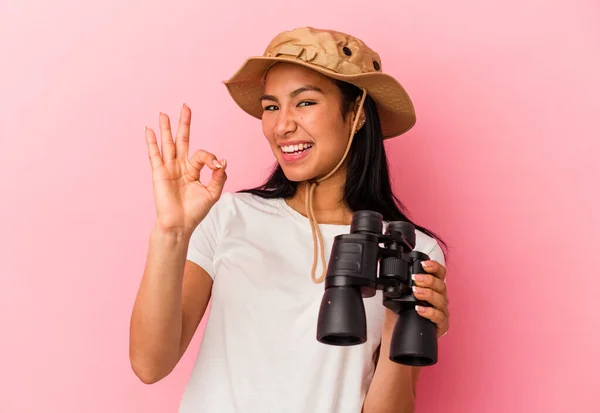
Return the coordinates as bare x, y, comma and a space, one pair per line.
339, 56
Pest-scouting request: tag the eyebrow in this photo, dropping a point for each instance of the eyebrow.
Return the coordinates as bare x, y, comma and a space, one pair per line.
294, 93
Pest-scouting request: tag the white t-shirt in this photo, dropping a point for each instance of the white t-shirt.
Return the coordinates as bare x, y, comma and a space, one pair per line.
259, 352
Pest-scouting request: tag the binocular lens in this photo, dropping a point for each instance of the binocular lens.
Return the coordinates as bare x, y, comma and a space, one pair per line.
405, 228
414, 341
366, 221
342, 319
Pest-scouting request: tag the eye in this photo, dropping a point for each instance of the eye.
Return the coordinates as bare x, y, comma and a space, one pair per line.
305, 103
270, 108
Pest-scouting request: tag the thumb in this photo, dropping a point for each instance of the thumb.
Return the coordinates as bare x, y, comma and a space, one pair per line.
217, 180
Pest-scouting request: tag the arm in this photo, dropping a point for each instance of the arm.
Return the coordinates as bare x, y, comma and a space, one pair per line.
170, 303
174, 292
393, 387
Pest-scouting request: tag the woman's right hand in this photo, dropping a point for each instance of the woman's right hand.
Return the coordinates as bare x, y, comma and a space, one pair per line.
181, 200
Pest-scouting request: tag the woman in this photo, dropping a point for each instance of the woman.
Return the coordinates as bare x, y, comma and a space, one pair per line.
326, 108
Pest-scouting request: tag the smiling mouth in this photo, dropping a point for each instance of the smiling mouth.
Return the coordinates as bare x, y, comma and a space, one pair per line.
295, 149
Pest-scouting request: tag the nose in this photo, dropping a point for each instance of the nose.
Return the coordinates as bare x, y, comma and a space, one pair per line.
285, 123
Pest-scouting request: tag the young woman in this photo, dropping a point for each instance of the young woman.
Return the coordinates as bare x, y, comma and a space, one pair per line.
260, 255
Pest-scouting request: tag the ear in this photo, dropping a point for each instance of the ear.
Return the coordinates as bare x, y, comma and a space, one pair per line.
361, 118
361, 115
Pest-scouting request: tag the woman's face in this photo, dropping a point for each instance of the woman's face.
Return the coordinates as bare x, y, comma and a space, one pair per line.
302, 120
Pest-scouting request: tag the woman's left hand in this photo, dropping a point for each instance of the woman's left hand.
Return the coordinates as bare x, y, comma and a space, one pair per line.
431, 287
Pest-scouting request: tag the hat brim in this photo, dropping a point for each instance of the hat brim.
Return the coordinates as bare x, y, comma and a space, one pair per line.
395, 108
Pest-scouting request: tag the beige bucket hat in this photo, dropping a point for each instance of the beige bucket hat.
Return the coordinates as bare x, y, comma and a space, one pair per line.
334, 54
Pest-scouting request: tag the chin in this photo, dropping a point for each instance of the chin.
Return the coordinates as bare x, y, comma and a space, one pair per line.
296, 174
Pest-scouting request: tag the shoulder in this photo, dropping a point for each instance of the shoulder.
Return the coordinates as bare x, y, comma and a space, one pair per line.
236, 203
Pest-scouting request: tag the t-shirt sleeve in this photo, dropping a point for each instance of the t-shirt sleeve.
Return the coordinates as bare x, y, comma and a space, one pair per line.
437, 254
205, 238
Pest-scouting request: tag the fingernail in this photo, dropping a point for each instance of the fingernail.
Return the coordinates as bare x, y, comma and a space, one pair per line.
418, 277
217, 164
417, 290
223, 162
419, 308
425, 264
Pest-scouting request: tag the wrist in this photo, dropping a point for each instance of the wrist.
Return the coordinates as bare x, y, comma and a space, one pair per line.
171, 236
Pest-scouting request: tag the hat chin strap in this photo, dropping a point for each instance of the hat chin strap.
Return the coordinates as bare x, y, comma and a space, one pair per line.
310, 189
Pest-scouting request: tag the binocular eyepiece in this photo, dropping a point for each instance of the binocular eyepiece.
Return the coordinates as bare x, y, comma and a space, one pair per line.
355, 260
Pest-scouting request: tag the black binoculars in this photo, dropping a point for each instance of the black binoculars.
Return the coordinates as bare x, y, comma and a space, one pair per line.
352, 275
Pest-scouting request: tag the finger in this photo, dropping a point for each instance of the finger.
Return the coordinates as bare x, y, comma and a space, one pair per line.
430, 281
440, 319
434, 298
435, 268
182, 140
153, 151
217, 181
198, 161
167, 144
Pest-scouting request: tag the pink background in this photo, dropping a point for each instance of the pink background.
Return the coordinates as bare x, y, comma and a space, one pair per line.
503, 163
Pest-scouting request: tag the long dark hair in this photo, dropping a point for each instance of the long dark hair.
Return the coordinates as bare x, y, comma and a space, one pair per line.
368, 184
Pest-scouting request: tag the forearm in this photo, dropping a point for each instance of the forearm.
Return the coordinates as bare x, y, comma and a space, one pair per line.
393, 386
156, 320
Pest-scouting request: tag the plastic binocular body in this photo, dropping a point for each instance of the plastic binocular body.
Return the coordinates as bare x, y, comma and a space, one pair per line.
358, 267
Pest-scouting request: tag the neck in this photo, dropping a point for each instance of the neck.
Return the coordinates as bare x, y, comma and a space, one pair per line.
328, 201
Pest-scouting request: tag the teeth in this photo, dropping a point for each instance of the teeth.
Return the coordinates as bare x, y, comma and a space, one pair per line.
296, 148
